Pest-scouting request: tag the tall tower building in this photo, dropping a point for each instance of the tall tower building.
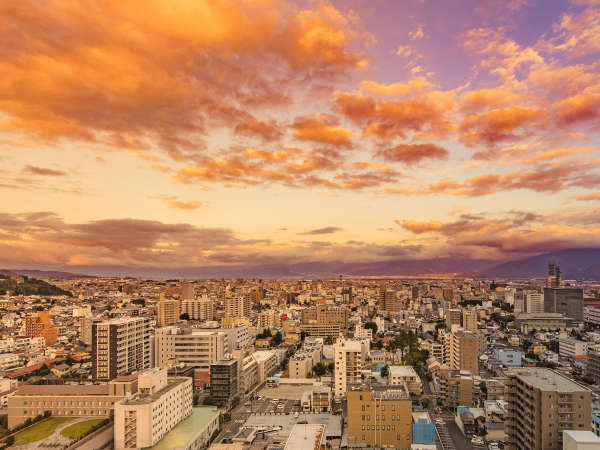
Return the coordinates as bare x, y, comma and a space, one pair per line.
541, 404
469, 320
187, 291
553, 279
239, 306
120, 346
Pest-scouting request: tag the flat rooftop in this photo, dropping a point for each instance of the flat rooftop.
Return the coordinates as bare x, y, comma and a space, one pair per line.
548, 380
142, 399
187, 429
332, 422
305, 436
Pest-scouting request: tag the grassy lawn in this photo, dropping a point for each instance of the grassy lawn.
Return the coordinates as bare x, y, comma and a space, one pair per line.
77, 430
40, 431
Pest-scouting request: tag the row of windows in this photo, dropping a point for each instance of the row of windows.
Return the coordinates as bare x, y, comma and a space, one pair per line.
379, 427
368, 417
377, 405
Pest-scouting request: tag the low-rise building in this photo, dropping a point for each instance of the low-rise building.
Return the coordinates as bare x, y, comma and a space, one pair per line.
398, 375
570, 347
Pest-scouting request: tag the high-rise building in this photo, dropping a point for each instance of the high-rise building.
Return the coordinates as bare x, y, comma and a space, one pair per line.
453, 317
190, 346
534, 302
224, 380
120, 346
146, 417
469, 320
187, 291
592, 367
239, 306
347, 366
461, 351
457, 388
85, 329
168, 312
541, 403
553, 279
388, 301
322, 320
564, 300
380, 419
448, 295
200, 308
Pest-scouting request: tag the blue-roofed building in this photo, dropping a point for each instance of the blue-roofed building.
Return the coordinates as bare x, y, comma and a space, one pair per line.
423, 431
596, 423
508, 357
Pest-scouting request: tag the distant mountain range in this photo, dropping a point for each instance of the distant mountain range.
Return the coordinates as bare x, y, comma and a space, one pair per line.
580, 264
575, 264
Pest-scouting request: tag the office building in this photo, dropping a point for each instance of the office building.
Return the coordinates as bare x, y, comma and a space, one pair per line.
159, 405
569, 347
541, 404
347, 366
224, 380
379, 419
564, 300
168, 312
324, 315
189, 346
200, 308
120, 346
540, 322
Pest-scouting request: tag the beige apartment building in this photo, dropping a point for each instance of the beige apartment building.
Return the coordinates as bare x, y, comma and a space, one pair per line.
541, 403
239, 306
348, 364
380, 419
461, 351
120, 346
190, 346
168, 312
269, 319
457, 388
89, 400
388, 301
146, 417
469, 320
399, 375
201, 308
326, 315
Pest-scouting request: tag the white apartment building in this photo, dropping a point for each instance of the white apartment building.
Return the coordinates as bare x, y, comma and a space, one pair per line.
591, 315
269, 319
237, 306
348, 361
190, 346
9, 361
571, 347
267, 363
120, 346
146, 417
534, 302
200, 308
300, 365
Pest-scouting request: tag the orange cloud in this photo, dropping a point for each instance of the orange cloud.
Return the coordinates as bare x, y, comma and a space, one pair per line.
268, 131
322, 129
413, 153
498, 124
413, 86
484, 99
34, 170
584, 107
594, 196
420, 227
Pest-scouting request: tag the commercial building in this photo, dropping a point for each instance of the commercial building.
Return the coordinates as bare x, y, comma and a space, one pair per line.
564, 300
388, 301
399, 375
540, 321
380, 418
200, 308
317, 401
569, 347
190, 346
224, 380
348, 363
159, 405
168, 312
88, 400
193, 432
120, 346
541, 404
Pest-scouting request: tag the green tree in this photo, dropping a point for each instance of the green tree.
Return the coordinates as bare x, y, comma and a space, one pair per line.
385, 370
319, 369
277, 339
372, 326
184, 316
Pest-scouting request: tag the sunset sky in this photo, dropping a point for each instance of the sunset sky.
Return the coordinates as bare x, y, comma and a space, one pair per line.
189, 132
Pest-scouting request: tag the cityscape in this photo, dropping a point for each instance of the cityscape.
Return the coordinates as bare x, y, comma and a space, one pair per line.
300, 224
